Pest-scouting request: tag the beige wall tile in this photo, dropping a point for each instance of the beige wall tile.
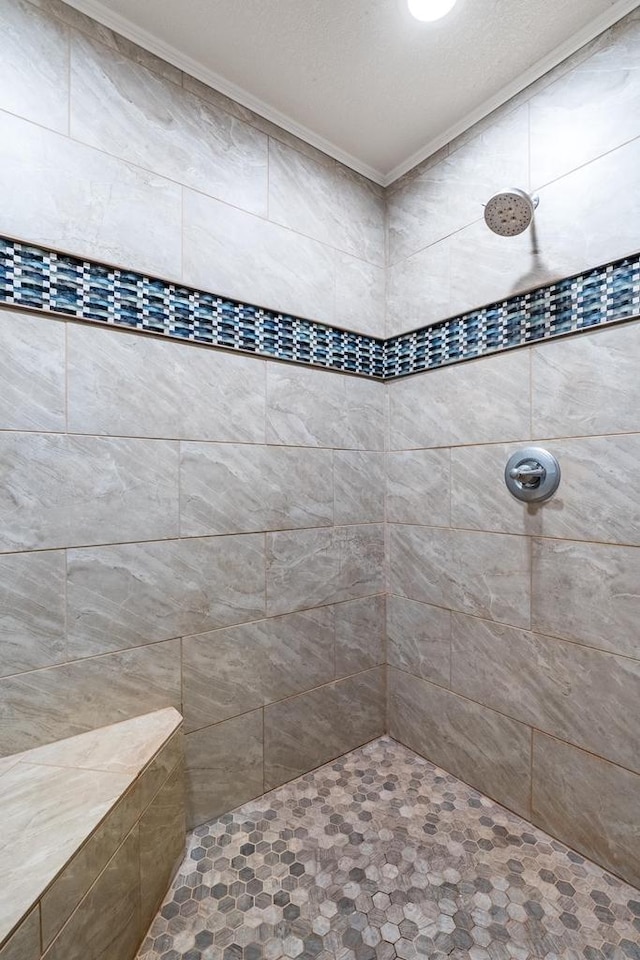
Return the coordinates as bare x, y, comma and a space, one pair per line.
24, 943
483, 748
419, 639
227, 672
418, 487
223, 767
584, 696
60, 193
80, 696
360, 635
32, 374
62, 491
135, 385
359, 486
162, 840
587, 592
131, 594
32, 617
419, 563
592, 805
305, 732
476, 402
238, 488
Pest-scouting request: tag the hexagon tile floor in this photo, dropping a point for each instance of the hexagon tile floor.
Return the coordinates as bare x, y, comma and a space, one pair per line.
382, 855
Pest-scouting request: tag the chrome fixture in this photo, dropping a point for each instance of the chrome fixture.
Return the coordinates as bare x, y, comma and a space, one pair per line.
532, 474
510, 212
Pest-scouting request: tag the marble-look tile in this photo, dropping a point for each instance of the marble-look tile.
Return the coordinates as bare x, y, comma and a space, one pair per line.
228, 672
125, 747
32, 373
106, 924
306, 731
240, 488
484, 574
306, 568
162, 839
360, 634
172, 390
480, 401
449, 194
587, 592
223, 766
418, 487
359, 486
34, 69
418, 289
587, 384
360, 292
419, 639
59, 491
328, 203
481, 747
63, 194
123, 108
156, 772
34, 849
592, 804
131, 594
80, 696
583, 696
589, 111
24, 943
32, 618
480, 499
236, 254
316, 408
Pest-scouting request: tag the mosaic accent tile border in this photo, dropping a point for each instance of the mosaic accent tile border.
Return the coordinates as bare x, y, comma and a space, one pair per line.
42, 279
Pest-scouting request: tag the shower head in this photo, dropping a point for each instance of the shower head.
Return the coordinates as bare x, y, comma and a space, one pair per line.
510, 212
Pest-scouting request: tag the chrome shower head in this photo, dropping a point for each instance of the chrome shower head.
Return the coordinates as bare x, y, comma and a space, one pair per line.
510, 212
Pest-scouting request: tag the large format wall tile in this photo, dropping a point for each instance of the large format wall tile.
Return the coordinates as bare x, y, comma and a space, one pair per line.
418, 289
360, 634
314, 408
67, 490
24, 943
34, 69
80, 696
587, 592
306, 568
584, 696
483, 748
32, 373
142, 387
124, 109
236, 488
418, 487
419, 639
359, 486
587, 385
228, 672
223, 767
238, 255
476, 402
32, 616
360, 289
130, 594
419, 561
480, 499
68, 196
306, 731
162, 838
593, 805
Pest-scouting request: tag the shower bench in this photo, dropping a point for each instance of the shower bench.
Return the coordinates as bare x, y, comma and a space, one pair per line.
92, 830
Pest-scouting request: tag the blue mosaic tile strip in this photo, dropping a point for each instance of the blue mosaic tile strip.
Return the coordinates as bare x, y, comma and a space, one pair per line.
45, 280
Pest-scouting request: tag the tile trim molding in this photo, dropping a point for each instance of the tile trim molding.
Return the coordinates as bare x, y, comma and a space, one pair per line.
40, 279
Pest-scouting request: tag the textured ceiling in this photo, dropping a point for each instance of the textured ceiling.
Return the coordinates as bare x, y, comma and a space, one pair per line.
362, 79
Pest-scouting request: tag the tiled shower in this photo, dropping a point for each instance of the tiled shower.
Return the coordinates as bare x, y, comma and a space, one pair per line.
216, 496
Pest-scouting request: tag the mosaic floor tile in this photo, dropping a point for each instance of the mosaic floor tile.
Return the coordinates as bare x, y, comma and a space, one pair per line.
382, 855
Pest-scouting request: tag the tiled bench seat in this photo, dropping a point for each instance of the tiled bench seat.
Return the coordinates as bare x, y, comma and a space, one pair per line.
91, 831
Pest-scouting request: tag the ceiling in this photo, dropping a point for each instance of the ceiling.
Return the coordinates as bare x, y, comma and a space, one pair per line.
361, 79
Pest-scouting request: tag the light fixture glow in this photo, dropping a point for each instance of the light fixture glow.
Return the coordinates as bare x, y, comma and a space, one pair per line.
428, 10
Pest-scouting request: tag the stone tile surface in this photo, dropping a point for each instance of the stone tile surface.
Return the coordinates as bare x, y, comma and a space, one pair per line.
381, 855
32, 379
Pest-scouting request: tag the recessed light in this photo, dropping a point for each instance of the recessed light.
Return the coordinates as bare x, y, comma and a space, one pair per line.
430, 9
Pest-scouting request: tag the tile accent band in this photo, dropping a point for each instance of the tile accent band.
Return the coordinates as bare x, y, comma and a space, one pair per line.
41, 279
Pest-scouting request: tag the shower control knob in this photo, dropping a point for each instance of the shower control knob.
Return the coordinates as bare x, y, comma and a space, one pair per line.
532, 474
